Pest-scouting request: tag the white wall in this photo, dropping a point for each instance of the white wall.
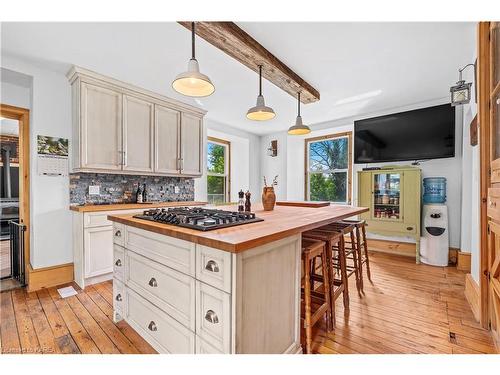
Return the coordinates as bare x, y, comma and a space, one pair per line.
50, 114
470, 183
293, 163
272, 166
245, 161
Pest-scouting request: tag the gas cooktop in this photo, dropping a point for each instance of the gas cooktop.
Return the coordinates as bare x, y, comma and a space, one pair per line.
198, 218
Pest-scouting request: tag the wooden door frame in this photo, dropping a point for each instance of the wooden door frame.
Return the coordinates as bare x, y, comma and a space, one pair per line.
22, 115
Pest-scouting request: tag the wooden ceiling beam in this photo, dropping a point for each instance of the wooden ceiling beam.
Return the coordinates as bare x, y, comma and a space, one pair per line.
234, 41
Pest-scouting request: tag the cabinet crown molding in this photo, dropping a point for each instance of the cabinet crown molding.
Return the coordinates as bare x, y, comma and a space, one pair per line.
88, 75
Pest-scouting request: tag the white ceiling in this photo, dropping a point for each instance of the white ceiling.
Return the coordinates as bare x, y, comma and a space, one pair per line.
357, 67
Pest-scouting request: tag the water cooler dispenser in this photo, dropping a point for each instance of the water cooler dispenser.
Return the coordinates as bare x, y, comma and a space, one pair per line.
434, 244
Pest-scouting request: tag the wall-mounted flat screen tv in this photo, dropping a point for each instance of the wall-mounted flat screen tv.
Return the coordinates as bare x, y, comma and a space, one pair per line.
427, 133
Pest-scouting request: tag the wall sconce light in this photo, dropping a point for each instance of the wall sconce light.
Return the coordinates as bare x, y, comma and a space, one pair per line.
273, 149
460, 93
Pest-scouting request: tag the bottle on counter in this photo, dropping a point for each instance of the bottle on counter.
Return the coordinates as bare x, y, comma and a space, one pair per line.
248, 205
138, 195
144, 194
241, 201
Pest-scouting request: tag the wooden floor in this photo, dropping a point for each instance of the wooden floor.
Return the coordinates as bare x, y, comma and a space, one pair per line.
43, 322
409, 309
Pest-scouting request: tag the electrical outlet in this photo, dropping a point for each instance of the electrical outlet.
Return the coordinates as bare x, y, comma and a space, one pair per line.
176, 190
94, 189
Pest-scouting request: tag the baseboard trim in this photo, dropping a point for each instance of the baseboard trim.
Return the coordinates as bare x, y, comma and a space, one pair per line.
402, 248
472, 295
463, 261
47, 277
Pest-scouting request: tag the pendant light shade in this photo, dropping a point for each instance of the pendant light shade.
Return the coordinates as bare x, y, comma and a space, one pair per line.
299, 128
260, 112
193, 83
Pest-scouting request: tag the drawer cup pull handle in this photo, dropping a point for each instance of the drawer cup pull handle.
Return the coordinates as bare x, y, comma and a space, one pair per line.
118, 233
152, 326
211, 317
409, 228
153, 282
118, 297
118, 263
212, 266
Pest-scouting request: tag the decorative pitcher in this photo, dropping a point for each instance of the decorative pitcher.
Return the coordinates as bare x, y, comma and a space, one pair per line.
268, 198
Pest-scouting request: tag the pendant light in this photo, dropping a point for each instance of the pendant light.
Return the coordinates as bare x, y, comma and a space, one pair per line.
192, 82
260, 112
299, 128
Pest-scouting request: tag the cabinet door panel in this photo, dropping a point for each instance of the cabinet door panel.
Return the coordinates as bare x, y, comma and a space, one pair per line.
138, 128
101, 132
167, 131
191, 133
98, 251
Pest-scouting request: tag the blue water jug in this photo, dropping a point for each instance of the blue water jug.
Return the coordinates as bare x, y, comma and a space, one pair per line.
434, 190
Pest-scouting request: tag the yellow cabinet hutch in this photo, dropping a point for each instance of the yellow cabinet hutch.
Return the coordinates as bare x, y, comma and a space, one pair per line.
393, 195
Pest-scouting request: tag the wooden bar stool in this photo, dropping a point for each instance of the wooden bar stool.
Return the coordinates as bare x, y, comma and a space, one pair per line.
312, 249
351, 250
338, 285
361, 243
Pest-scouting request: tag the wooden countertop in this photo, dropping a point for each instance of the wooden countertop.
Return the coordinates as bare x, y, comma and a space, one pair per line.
283, 221
132, 206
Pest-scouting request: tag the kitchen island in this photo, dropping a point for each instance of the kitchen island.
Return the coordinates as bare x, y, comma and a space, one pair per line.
230, 290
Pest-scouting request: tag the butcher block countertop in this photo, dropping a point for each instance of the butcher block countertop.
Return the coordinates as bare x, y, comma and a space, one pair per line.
282, 222
131, 206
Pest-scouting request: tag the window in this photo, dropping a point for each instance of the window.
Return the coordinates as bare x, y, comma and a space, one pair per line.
218, 167
328, 168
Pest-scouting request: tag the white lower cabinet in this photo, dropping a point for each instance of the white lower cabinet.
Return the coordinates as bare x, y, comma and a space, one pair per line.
163, 332
98, 260
182, 297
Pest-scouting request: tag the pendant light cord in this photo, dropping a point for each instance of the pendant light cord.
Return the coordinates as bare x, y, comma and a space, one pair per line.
298, 102
192, 41
260, 80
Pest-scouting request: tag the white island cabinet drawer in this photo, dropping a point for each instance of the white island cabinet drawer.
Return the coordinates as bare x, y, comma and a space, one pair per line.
118, 234
213, 267
213, 316
118, 297
172, 252
118, 262
164, 333
96, 219
171, 291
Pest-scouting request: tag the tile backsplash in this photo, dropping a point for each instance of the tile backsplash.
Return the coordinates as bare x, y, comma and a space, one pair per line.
115, 188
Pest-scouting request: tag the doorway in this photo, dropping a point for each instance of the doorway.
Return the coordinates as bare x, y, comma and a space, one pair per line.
14, 197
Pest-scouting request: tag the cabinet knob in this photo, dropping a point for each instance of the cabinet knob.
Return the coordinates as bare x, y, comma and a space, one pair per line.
211, 317
118, 233
153, 282
409, 228
212, 266
118, 297
118, 263
152, 326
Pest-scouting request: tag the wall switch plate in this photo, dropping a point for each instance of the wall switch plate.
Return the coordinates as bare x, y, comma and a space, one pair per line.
94, 189
176, 189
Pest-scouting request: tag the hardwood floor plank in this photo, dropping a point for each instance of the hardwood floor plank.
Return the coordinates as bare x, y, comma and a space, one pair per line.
27, 335
41, 325
114, 334
67, 345
104, 292
81, 337
52, 314
8, 328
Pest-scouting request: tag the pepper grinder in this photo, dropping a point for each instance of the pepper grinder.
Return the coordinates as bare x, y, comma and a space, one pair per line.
241, 201
248, 205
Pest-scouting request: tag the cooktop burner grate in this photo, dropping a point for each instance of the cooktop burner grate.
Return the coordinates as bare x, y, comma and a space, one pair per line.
199, 218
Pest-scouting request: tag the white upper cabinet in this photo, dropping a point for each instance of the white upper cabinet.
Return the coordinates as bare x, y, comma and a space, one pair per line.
101, 128
167, 134
191, 145
120, 128
138, 130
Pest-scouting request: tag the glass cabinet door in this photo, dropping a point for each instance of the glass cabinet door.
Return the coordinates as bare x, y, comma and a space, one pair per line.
387, 199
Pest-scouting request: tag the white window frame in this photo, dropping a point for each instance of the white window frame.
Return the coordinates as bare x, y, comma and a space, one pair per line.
347, 170
227, 167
